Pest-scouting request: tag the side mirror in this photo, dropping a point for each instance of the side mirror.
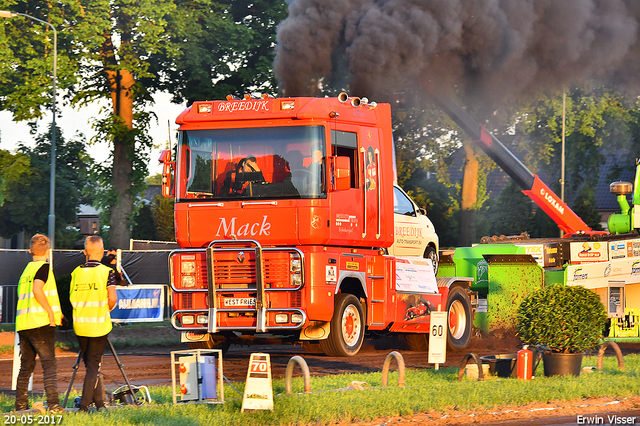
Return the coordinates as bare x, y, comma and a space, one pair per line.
341, 173
167, 167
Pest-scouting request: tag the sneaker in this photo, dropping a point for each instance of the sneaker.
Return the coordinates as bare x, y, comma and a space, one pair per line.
56, 408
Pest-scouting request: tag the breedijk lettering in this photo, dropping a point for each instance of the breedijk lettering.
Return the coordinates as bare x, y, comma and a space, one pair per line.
242, 106
246, 229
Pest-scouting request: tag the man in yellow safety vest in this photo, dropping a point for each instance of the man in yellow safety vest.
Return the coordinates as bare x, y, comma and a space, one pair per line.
93, 296
37, 314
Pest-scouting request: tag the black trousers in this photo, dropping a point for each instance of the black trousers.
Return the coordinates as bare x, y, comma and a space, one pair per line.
92, 349
37, 341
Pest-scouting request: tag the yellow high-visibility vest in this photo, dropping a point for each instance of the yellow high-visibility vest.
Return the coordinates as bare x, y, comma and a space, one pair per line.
90, 300
29, 312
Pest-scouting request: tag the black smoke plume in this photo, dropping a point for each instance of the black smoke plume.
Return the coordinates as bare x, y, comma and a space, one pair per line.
482, 48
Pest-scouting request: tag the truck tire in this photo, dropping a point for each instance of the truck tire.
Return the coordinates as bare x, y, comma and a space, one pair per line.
347, 327
417, 342
459, 309
221, 343
431, 253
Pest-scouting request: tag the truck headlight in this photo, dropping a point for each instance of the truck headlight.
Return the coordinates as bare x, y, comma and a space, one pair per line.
188, 267
295, 266
187, 320
188, 281
202, 319
296, 318
295, 270
282, 318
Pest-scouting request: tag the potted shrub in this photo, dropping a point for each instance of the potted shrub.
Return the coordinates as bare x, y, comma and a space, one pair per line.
565, 321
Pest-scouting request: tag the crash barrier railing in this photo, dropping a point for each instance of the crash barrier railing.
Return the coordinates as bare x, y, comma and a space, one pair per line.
617, 350
289, 373
464, 363
387, 363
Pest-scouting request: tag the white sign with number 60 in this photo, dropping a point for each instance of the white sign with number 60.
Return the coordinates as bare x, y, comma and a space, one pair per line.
438, 338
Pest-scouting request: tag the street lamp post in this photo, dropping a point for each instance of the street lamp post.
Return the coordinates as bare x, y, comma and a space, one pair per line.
52, 182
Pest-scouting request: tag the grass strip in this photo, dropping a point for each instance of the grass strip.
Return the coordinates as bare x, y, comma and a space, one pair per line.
426, 391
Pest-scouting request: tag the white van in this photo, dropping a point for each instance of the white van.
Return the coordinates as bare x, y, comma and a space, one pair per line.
414, 232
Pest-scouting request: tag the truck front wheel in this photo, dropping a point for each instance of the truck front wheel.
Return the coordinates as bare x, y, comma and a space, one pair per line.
347, 327
459, 309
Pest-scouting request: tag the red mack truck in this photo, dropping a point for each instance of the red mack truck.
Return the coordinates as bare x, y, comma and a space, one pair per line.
291, 228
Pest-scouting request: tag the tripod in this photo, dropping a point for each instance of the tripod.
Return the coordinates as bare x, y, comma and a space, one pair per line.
120, 366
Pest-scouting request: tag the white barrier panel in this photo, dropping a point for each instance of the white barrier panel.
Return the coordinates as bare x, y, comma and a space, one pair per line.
258, 392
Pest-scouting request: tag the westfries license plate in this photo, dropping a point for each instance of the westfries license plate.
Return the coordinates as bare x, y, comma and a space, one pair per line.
240, 301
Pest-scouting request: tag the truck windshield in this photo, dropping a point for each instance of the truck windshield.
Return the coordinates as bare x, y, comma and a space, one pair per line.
272, 162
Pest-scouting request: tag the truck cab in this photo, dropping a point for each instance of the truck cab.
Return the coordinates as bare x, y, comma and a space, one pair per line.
285, 213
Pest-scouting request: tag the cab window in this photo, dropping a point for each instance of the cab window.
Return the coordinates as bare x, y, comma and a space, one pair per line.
345, 144
401, 204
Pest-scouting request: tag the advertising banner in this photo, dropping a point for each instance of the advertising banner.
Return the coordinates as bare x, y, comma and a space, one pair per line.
624, 249
415, 275
589, 251
139, 303
597, 275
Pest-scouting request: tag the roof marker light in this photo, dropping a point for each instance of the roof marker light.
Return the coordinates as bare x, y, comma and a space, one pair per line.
284, 105
204, 108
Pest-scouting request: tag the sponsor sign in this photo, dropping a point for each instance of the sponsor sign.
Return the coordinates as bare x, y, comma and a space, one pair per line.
331, 275
546, 255
138, 303
536, 251
589, 251
415, 276
596, 275
624, 249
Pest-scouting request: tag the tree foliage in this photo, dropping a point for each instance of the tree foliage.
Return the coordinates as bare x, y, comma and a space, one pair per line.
144, 227
598, 120
26, 176
124, 52
512, 213
163, 218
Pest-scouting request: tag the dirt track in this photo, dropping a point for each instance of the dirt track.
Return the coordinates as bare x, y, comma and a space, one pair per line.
151, 366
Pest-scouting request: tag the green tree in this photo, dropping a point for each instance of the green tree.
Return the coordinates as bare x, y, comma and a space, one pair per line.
144, 227
585, 206
163, 218
595, 116
512, 213
125, 51
26, 176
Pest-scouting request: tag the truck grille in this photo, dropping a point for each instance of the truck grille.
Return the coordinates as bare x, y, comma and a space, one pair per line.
229, 273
